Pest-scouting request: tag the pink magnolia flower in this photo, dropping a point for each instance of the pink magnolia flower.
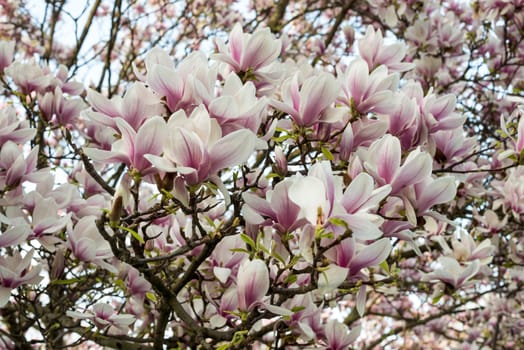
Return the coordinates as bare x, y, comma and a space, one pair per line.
104, 316
518, 143
238, 107
225, 259
361, 132
464, 248
138, 104
133, 145
88, 245
12, 128
14, 167
137, 285
16, 271
432, 191
7, 52
13, 235
367, 92
451, 272
248, 51
309, 103
45, 221
196, 148
453, 145
511, 191
359, 198
355, 257
59, 109
338, 337
280, 210
307, 320
252, 284
29, 76
186, 86
404, 121
382, 160
438, 112
373, 50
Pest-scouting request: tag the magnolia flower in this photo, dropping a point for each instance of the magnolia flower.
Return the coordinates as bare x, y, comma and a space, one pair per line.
138, 104
133, 145
29, 76
238, 107
224, 258
432, 191
451, 272
104, 316
14, 167
359, 198
88, 245
372, 49
59, 109
383, 158
309, 103
12, 128
137, 285
7, 52
13, 235
354, 257
248, 51
466, 249
16, 271
361, 132
252, 284
511, 191
196, 148
189, 84
280, 210
45, 221
438, 112
307, 318
338, 337
518, 143
453, 145
367, 92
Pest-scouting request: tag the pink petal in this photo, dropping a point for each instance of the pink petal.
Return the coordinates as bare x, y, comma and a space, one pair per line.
441, 190
252, 283
185, 148
371, 255
417, 166
233, 149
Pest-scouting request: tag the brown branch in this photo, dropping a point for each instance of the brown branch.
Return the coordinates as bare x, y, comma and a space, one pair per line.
331, 35
74, 57
275, 22
87, 164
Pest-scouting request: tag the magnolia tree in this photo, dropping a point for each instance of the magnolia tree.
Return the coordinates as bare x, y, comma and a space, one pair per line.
262, 175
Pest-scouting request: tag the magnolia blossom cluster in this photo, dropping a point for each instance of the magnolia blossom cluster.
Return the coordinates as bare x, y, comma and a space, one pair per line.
240, 198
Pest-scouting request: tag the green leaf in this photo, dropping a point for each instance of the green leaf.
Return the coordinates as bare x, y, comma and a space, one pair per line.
291, 279
248, 241
338, 222
119, 283
437, 298
67, 282
385, 266
239, 250
327, 153
151, 296
297, 308
133, 233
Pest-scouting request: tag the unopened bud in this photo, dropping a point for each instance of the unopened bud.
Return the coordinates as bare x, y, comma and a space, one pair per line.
280, 161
